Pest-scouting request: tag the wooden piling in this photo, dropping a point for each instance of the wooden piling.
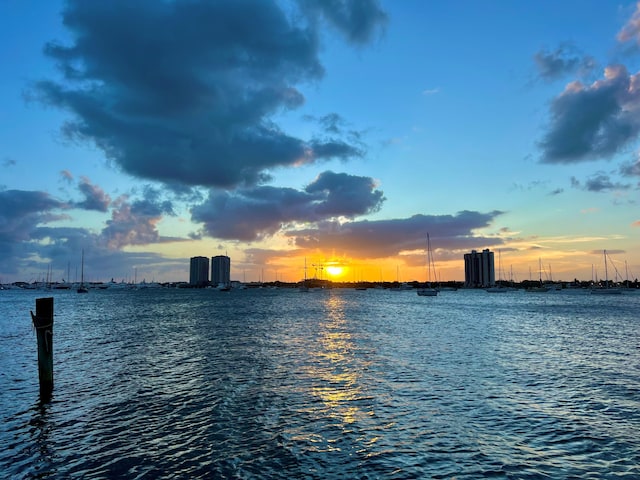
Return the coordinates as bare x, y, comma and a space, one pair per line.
43, 323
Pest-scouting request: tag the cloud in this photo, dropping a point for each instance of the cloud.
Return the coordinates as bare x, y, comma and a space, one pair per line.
593, 121
252, 213
21, 214
385, 238
631, 30
8, 162
564, 60
345, 195
66, 176
357, 20
630, 169
135, 222
31, 241
94, 197
599, 182
22, 211
185, 92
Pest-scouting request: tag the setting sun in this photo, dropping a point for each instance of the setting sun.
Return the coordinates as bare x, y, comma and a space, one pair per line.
334, 270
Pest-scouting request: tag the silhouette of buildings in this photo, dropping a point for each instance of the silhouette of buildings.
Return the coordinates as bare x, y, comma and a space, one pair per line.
220, 270
199, 271
479, 271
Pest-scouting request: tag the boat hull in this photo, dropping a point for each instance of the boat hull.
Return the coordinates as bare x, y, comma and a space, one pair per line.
427, 292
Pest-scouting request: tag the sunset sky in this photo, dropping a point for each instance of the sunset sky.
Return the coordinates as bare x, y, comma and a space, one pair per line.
336, 131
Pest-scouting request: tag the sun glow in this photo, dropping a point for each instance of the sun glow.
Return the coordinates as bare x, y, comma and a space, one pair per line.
334, 270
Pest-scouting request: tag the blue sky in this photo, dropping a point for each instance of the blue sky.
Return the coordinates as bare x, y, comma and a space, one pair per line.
338, 131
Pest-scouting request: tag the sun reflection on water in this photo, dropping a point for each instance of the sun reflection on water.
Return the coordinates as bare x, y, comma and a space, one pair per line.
337, 370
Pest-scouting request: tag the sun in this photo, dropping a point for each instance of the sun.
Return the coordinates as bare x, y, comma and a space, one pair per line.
334, 270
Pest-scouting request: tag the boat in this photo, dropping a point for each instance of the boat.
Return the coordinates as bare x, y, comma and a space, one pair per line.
304, 287
499, 287
540, 288
606, 289
81, 287
428, 290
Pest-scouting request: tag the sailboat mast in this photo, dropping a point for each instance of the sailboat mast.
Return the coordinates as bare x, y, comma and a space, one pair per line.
428, 259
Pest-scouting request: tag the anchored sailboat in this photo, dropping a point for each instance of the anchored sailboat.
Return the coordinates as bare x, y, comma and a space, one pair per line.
606, 289
540, 288
428, 291
82, 288
304, 287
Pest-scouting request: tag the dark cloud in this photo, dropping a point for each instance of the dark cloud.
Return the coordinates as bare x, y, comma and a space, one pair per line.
557, 191
564, 60
153, 203
630, 169
251, 213
593, 121
184, 92
345, 195
599, 182
22, 211
94, 197
385, 238
21, 214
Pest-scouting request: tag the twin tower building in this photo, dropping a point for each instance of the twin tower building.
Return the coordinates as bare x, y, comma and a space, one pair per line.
220, 271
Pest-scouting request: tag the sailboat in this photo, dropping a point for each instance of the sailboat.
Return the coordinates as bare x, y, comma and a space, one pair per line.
304, 287
499, 288
428, 291
82, 288
541, 288
606, 289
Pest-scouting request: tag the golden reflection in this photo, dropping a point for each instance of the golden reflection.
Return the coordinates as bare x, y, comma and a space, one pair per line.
337, 369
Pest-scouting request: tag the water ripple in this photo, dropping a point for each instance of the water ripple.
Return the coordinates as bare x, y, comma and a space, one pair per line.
333, 384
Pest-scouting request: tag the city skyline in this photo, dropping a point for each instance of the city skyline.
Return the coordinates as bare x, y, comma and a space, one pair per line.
333, 134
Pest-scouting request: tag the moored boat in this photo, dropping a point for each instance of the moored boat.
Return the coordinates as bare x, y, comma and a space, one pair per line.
428, 290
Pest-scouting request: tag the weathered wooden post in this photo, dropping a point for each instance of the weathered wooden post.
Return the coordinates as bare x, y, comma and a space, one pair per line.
43, 323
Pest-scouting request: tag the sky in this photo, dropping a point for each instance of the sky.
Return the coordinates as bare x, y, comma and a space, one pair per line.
331, 133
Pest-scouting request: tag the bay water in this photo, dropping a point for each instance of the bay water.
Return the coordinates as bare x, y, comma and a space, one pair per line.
336, 383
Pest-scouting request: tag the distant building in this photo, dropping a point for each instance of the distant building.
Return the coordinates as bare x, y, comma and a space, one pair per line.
220, 270
199, 271
479, 269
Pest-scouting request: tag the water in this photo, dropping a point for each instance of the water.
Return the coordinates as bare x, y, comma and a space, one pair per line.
328, 384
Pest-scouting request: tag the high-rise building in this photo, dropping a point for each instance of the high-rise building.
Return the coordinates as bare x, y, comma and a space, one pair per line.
479, 269
199, 271
220, 270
